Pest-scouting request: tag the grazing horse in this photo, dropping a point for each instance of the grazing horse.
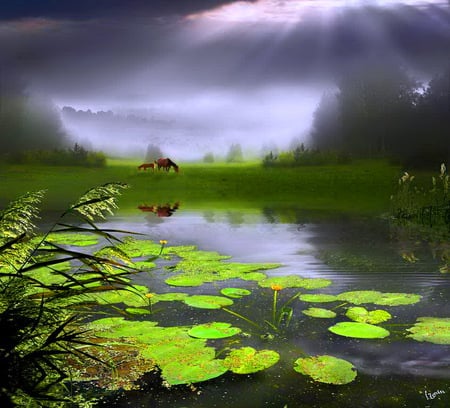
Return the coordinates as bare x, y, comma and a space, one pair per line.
145, 166
166, 164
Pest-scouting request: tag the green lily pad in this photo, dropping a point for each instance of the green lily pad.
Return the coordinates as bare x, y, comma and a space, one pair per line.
319, 312
358, 297
317, 298
431, 329
207, 301
247, 360
213, 330
295, 281
397, 299
359, 330
326, 369
135, 297
176, 373
183, 359
169, 297
185, 280
362, 315
195, 272
136, 311
235, 292
136, 248
72, 238
379, 298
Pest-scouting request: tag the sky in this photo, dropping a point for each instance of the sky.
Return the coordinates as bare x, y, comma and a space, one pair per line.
196, 76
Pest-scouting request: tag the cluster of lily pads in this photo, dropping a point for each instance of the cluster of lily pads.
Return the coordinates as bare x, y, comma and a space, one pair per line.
185, 354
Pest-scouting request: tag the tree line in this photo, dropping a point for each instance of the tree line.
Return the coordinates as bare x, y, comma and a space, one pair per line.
385, 112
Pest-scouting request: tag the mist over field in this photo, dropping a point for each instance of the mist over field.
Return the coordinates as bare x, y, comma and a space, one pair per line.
195, 77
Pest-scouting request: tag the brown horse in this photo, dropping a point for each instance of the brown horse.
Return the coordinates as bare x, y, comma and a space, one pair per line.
145, 166
166, 164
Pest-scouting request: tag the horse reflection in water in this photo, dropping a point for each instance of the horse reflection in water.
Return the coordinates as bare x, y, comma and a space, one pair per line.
160, 210
166, 164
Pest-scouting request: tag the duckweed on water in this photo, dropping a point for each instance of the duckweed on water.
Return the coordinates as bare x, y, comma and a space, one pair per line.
326, 369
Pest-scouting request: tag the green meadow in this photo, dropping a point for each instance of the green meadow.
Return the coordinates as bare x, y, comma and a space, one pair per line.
362, 187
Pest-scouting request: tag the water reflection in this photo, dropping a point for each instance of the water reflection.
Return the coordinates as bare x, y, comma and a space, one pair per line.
355, 254
159, 210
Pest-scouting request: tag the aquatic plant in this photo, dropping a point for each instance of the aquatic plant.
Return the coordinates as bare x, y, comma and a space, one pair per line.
431, 329
326, 369
38, 276
359, 330
247, 360
319, 312
213, 330
362, 315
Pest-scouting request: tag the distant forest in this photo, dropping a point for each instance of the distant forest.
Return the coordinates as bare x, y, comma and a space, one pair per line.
385, 112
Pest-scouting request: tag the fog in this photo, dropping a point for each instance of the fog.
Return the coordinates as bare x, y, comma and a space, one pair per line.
195, 77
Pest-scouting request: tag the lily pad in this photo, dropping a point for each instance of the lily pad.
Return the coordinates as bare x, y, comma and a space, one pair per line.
295, 281
359, 330
134, 297
362, 315
136, 311
397, 299
196, 272
431, 329
176, 373
136, 248
169, 297
235, 292
213, 330
185, 280
358, 297
247, 360
207, 301
379, 298
326, 369
319, 312
72, 238
317, 298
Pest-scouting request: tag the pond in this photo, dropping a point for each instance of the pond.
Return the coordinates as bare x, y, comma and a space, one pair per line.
355, 254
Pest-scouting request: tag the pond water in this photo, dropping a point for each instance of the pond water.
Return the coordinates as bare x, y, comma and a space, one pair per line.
355, 254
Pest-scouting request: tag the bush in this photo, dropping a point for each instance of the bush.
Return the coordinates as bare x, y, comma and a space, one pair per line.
301, 156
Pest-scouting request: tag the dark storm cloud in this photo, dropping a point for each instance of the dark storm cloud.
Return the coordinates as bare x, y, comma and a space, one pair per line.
91, 9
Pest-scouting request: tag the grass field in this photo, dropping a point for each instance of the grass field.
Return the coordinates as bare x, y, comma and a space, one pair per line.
362, 187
